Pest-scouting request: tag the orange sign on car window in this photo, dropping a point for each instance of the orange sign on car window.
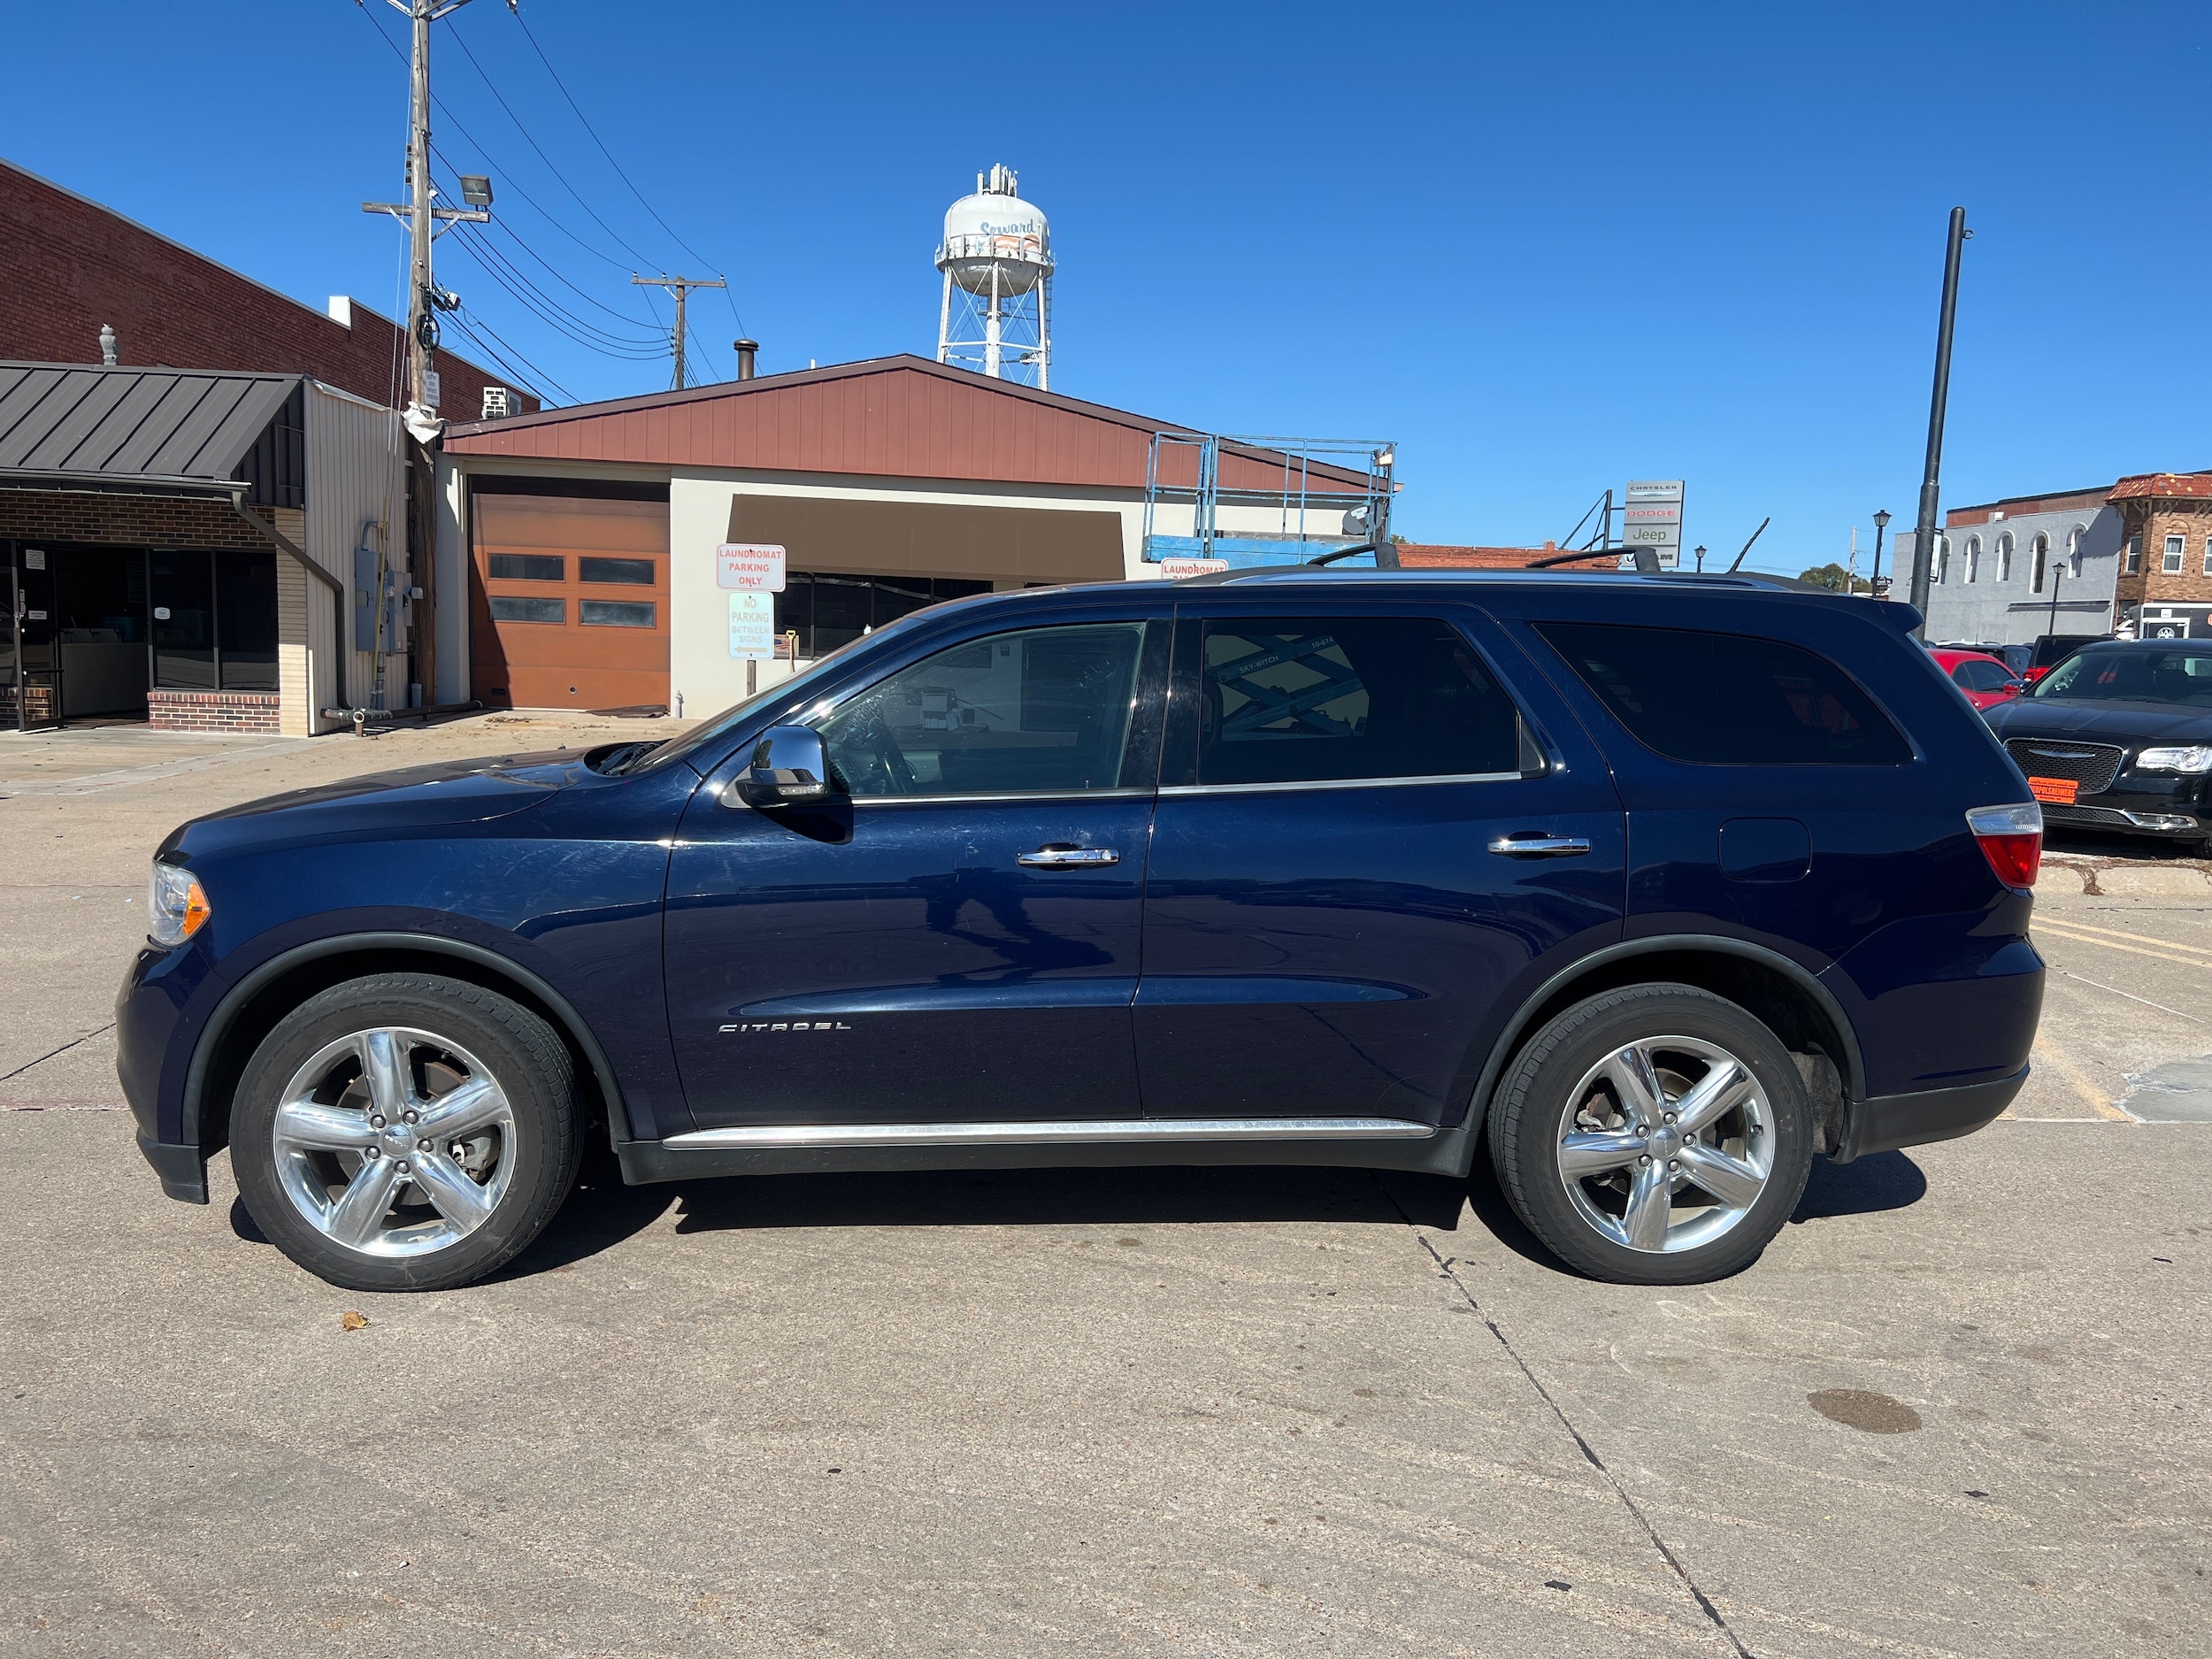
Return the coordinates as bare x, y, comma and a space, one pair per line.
2061, 790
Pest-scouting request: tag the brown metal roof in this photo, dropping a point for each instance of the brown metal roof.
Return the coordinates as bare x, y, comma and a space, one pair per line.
901, 416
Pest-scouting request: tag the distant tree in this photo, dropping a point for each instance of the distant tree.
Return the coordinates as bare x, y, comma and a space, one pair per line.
1835, 579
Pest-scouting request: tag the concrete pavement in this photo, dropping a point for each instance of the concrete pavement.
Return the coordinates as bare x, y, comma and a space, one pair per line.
1958, 1409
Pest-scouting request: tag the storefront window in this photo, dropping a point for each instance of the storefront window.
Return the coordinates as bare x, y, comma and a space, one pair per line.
184, 621
827, 611
246, 619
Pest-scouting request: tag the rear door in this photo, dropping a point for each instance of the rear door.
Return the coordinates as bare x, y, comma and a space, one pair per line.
1337, 920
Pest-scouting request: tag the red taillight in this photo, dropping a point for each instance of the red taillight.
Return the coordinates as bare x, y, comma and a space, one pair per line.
2011, 838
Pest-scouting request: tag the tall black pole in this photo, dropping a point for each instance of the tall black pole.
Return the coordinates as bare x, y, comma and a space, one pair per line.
1925, 532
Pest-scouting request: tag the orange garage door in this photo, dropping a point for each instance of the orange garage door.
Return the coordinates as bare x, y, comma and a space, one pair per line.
569, 605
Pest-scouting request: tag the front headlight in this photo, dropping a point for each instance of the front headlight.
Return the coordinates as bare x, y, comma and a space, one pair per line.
176, 905
2196, 757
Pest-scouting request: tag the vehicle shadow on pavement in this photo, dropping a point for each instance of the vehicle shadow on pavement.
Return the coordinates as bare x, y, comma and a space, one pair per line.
1881, 1180
1067, 1197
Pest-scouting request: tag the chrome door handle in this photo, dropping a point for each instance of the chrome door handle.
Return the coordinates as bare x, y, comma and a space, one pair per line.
1541, 846
1068, 857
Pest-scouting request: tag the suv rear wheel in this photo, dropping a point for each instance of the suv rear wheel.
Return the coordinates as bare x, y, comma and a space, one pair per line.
1655, 1136
405, 1132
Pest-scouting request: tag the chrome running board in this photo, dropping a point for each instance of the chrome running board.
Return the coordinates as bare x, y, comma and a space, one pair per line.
1060, 1131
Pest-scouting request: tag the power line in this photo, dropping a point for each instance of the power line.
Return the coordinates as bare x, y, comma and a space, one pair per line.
549, 310
604, 150
469, 323
534, 145
506, 177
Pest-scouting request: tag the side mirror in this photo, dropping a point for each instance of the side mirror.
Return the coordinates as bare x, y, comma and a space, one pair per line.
789, 767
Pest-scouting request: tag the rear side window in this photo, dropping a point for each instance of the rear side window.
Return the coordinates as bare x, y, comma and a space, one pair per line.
1976, 675
1728, 699
1311, 700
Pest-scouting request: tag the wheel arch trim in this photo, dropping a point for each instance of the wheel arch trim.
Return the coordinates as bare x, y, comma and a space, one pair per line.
1854, 1066
240, 995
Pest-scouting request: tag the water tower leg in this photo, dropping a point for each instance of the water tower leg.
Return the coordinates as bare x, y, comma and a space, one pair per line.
991, 327
944, 324
1044, 333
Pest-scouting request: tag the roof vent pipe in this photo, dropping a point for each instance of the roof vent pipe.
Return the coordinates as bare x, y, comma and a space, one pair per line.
107, 345
746, 349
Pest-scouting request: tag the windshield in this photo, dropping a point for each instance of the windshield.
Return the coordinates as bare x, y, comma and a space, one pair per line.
2178, 676
708, 733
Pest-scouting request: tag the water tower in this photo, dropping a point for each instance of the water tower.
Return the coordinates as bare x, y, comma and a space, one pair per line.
997, 260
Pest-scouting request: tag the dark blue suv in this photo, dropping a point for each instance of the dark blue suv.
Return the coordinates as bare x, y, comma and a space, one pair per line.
1651, 887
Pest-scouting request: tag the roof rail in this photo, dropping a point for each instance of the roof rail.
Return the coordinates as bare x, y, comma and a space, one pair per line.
1490, 578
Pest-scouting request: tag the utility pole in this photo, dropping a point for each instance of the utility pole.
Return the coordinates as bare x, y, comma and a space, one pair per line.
1925, 532
422, 217
418, 213
679, 286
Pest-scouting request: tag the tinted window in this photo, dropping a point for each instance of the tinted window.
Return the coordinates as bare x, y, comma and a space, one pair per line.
246, 619
1043, 709
1307, 701
529, 567
2133, 673
1980, 676
615, 614
636, 572
1728, 699
507, 608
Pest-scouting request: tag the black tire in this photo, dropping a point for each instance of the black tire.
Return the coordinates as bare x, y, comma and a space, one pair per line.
534, 1151
1542, 1092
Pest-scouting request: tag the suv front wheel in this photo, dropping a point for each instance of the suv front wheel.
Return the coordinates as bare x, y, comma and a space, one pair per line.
405, 1132
1654, 1135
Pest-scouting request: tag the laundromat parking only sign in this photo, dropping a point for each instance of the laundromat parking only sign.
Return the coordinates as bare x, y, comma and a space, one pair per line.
749, 567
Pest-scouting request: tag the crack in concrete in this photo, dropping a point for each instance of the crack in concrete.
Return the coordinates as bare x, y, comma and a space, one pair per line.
1445, 1266
65, 1049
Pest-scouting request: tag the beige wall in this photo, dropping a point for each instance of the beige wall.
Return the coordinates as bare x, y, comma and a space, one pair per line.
355, 483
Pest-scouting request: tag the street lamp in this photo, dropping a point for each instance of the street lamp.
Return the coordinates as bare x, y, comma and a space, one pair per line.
1701, 561
1874, 582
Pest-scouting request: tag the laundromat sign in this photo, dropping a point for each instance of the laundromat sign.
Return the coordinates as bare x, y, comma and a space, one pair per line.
749, 567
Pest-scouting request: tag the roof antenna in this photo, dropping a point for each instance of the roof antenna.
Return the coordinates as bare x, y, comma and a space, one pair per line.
1756, 535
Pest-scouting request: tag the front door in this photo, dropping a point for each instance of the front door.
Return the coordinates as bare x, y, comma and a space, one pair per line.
1332, 929
957, 943
35, 641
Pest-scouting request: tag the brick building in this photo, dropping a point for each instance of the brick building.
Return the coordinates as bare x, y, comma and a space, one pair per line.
69, 267
180, 527
2164, 587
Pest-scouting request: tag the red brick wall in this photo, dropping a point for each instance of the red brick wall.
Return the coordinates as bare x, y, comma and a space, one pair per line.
68, 265
212, 711
156, 521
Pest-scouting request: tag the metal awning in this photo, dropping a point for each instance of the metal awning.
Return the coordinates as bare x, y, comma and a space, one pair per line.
158, 431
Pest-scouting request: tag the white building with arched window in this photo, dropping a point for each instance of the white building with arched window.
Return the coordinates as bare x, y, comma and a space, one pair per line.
2004, 566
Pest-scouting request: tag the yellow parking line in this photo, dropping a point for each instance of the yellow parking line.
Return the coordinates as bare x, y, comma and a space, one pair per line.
2099, 1101
2107, 933
2108, 944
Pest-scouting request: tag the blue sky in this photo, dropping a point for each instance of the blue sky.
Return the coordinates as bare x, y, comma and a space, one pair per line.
1544, 248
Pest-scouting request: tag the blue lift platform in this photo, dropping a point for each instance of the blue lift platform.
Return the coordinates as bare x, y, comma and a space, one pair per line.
1331, 498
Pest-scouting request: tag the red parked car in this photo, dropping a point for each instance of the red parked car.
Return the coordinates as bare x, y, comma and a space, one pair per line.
1984, 680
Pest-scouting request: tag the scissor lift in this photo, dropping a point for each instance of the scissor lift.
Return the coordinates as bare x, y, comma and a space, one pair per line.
1321, 515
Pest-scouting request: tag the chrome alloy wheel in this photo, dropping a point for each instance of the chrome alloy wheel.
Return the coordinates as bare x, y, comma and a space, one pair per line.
1669, 1143
393, 1142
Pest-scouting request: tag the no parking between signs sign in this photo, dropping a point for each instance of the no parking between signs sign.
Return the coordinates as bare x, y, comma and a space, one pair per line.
753, 574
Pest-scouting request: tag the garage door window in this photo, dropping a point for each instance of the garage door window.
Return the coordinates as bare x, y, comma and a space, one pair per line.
513, 607
636, 573
529, 567
613, 613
